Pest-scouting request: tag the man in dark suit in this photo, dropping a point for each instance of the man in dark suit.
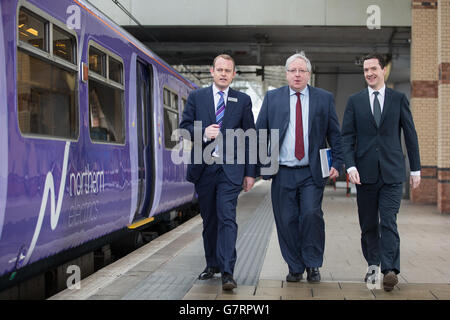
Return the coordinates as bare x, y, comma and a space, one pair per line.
306, 119
375, 163
219, 108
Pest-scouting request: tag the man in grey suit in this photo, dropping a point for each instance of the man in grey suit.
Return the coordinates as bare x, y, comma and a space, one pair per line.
306, 119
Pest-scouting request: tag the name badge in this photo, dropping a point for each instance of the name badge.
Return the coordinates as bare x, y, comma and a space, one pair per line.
232, 99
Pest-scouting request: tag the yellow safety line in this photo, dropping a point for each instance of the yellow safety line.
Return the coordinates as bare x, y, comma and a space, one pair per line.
140, 223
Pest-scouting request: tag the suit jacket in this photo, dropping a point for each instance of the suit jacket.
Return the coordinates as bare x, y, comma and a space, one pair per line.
238, 115
323, 126
375, 149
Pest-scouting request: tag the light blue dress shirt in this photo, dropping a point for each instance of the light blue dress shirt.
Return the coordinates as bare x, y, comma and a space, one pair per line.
287, 150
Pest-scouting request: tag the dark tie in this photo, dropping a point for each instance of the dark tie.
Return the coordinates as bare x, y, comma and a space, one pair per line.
220, 109
376, 108
299, 146
219, 116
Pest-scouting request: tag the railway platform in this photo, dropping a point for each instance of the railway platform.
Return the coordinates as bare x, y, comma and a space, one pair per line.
167, 268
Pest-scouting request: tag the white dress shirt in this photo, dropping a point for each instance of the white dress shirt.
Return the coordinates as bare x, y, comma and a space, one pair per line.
217, 96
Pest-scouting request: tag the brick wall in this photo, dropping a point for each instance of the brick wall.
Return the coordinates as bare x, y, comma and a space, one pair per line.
424, 95
443, 158
443, 190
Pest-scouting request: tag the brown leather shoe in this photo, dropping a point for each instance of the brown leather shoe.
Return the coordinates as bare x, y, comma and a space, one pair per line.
389, 281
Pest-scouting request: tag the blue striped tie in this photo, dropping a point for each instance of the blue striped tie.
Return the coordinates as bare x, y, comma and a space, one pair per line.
219, 116
220, 109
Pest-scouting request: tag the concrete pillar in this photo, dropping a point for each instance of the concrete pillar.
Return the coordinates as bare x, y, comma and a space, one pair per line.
424, 94
443, 124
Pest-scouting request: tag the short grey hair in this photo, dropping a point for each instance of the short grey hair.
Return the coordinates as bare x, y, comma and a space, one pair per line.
300, 55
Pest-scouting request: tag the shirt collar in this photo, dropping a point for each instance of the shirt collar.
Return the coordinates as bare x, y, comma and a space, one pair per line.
304, 92
381, 91
216, 90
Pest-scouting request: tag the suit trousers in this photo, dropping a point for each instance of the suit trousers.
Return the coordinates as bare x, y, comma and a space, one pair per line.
297, 208
217, 197
378, 205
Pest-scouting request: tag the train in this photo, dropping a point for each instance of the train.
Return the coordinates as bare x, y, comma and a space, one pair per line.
87, 114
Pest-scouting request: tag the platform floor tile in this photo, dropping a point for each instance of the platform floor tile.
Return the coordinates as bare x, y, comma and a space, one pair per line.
276, 290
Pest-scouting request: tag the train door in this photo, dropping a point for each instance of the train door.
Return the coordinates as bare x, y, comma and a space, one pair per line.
144, 125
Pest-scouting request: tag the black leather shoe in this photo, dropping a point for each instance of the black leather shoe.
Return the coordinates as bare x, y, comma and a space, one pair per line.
313, 274
228, 282
390, 279
208, 273
294, 277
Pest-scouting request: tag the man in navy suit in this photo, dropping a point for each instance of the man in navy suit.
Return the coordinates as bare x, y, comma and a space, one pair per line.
375, 163
219, 108
306, 119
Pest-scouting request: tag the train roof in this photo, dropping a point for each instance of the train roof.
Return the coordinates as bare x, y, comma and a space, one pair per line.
91, 9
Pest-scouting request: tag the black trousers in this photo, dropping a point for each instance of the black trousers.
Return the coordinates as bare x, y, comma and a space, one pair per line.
217, 197
297, 208
378, 205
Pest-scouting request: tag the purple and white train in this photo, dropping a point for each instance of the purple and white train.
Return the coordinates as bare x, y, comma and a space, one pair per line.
86, 116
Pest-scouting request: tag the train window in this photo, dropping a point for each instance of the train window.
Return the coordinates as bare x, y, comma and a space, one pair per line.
170, 100
46, 98
187, 144
46, 86
97, 61
106, 113
170, 125
183, 104
106, 98
31, 29
115, 70
171, 118
174, 102
166, 97
63, 45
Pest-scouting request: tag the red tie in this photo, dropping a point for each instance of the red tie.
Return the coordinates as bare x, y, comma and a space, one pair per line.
299, 146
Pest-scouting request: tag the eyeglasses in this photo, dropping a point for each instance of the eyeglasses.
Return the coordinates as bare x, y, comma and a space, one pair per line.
295, 71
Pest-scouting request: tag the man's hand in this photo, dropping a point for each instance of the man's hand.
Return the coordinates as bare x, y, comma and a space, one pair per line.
212, 131
333, 173
414, 181
248, 183
354, 176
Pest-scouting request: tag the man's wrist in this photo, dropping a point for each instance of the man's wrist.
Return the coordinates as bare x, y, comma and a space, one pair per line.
349, 170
